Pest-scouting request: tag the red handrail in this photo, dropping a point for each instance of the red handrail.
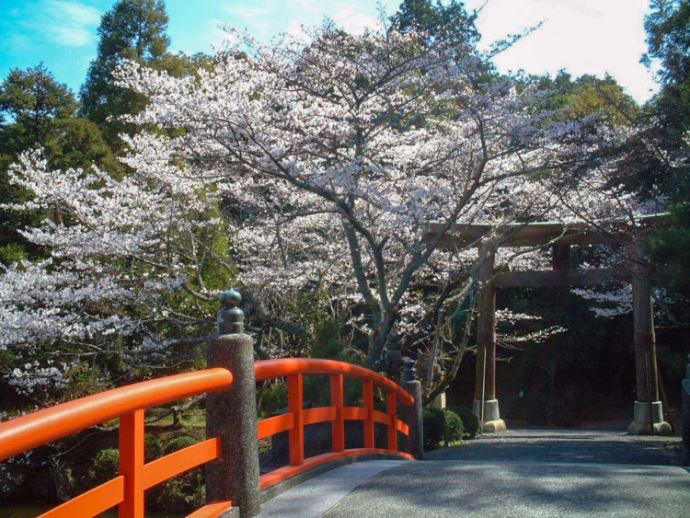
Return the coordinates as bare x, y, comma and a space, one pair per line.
127, 403
297, 417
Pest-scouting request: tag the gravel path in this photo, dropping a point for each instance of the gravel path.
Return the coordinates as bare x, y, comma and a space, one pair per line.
580, 446
532, 473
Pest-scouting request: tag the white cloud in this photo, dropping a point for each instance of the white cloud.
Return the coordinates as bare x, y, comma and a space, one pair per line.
581, 36
71, 24
351, 18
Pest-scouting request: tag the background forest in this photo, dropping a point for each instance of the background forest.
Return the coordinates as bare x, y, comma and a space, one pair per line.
126, 208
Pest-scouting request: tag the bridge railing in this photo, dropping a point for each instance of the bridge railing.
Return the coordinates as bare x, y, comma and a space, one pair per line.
297, 417
128, 404
230, 453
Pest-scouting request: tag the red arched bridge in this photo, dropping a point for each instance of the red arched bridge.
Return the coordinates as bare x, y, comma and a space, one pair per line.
129, 404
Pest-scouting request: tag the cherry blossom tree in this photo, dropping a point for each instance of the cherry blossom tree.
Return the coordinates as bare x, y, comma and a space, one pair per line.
335, 154
104, 298
317, 166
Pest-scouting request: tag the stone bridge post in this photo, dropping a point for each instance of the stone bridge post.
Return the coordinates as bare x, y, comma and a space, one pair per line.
231, 414
413, 415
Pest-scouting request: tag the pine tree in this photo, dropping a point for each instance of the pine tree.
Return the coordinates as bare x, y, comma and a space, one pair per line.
133, 30
449, 22
37, 111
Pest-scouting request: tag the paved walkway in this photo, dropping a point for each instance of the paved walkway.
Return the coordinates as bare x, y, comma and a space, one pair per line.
525, 473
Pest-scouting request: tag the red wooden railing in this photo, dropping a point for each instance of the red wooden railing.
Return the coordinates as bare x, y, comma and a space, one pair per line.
297, 417
128, 403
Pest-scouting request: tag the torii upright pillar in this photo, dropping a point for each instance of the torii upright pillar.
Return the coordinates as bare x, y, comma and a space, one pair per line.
485, 382
649, 414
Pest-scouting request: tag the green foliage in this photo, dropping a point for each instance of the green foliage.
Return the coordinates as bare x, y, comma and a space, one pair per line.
433, 427
669, 246
439, 21
452, 427
37, 111
441, 425
183, 493
271, 398
105, 466
132, 29
179, 442
589, 95
470, 421
33, 98
153, 447
668, 40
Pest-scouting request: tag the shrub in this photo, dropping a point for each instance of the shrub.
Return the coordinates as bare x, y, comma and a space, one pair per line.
433, 427
183, 493
452, 427
470, 421
105, 466
153, 447
179, 442
441, 425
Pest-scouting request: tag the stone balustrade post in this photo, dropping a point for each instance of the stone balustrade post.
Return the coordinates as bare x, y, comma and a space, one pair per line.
231, 414
413, 415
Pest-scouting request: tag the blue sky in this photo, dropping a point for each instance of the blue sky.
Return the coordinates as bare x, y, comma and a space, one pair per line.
582, 36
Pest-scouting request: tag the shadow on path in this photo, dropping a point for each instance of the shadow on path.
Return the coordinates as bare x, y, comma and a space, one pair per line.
566, 446
532, 474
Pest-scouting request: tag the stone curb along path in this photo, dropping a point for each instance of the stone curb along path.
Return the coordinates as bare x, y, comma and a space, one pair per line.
312, 498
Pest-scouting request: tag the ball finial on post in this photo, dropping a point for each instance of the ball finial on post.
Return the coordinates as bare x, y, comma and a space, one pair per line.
230, 316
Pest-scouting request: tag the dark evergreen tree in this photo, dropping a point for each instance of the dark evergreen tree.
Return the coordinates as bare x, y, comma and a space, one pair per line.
668, 39
450, 22
134, 30
37, 111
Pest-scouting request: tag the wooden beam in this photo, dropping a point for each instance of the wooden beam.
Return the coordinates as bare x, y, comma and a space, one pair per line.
560, 277
536, 234
529, 235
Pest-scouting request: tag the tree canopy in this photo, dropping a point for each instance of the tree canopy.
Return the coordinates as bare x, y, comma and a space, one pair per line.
132, 29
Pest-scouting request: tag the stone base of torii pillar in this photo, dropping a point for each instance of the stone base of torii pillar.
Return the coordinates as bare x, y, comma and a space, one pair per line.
643, 425
492, 417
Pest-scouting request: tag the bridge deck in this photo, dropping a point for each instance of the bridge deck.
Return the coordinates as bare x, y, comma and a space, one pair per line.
525, 473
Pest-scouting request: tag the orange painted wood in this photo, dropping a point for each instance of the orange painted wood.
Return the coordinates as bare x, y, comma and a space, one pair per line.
295, 406
392, 406
132, 463
286, 472
268, 369
338, 402
212, 510
355, 413
402, 427
38, 428
92, 503
368, 394
380, 417
319, 415
273, 425
180, 461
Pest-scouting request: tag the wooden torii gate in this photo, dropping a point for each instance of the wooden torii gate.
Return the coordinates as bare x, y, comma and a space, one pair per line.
648, 411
